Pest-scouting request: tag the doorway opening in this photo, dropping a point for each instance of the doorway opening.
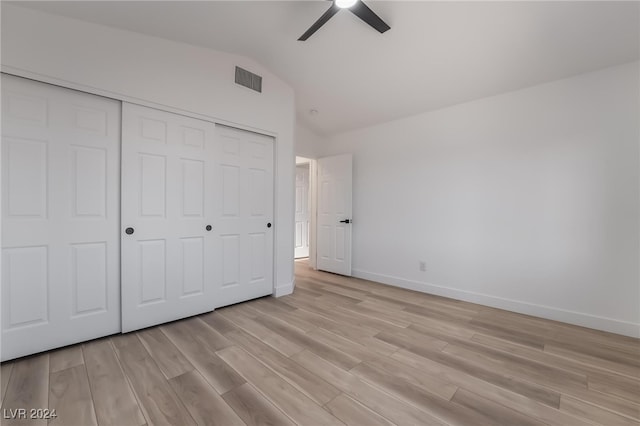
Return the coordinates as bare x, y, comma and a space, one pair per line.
306, 211
303, 209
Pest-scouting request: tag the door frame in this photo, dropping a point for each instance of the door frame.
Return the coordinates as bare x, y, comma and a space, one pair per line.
306, 165
313, 206
350, 221
313, 209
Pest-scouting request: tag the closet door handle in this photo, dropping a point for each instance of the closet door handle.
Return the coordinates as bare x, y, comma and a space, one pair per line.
346, 221
209, 228
269, 225
128, 231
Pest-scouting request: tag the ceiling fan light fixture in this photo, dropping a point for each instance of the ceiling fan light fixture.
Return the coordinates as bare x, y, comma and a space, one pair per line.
357, 7
345, 4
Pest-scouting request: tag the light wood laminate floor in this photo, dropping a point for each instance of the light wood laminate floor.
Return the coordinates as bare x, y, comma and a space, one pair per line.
337, 351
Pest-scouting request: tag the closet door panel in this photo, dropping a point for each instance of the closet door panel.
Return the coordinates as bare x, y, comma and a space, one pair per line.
60, 216
167, 206
244, 188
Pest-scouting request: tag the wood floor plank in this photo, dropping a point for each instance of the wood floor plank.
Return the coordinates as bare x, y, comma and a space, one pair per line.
554, 378
5, 375
387, 406
200, 332
337, 299
527, 389
333, 289
515, 321
70, 397
608, 402
169, 358
385, 302
309, 293
533, 408
335, 356
416, 303
114, 401
306, 382
431, 383
419, 397
64, 358
417, 339
220, 375
348, 346
443, 326
611, 391
347, 330
289, 317
601, 349
350, 283
451, 313
276, 341
353, 413
367, 309
372, 325
272, 306
627, 385
277, 301
504, 332
574, 353
593, 413
254, 409
204, 404
492, 412
621, 386
589, 337
158, 400
28, 389
377, 345
442, 330
544, 357
218, 322
288, 399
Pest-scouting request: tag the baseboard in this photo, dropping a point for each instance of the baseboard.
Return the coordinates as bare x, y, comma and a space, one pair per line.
571, 317
283, 290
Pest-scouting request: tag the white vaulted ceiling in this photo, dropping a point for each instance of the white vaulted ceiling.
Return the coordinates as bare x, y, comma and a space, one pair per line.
435, 55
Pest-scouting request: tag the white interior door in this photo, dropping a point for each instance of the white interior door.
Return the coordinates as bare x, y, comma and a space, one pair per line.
60, 217
167, 230
334, 214
302, 211
244, 214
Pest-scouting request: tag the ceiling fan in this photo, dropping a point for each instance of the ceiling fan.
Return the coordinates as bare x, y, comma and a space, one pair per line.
357, 7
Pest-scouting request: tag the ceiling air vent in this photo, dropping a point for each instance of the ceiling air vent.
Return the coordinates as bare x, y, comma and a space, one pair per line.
248, 79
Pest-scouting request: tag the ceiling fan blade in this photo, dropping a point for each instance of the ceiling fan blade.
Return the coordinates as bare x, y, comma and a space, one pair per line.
367, 15
320, 22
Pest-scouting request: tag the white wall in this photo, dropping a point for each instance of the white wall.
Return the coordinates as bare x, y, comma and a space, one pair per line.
308, 143
527, 201
159, 73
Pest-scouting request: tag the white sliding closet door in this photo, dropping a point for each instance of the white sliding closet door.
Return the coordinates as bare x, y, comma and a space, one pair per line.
168, 236
244, 214
60, 217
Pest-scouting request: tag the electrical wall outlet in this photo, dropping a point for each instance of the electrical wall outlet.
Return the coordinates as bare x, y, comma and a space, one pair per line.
423, 266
